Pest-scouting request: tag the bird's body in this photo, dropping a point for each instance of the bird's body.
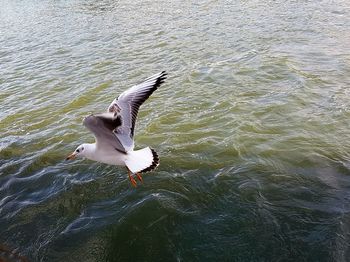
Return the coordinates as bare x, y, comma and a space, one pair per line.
107, 155
114, 132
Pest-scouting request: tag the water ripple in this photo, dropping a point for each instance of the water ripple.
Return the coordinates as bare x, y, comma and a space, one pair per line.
251, 127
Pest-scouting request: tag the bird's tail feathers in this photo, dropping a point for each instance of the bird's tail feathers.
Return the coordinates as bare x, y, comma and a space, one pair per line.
142, 160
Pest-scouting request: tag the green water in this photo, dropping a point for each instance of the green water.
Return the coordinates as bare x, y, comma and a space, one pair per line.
251, 126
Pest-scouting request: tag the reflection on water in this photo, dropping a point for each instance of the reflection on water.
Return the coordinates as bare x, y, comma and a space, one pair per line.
251, 127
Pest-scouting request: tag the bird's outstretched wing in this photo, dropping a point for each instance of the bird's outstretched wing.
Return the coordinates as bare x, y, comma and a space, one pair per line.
127, 105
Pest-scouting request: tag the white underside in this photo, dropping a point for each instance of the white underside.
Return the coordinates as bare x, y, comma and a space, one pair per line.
108, 156
135, 161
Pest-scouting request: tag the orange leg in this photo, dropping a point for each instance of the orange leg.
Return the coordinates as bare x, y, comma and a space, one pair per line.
139, 177
132, 180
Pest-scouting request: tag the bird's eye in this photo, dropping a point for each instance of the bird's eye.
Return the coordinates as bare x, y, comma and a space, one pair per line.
82, 148
77, 150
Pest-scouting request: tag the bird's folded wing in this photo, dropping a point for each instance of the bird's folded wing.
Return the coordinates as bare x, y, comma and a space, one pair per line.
104, 126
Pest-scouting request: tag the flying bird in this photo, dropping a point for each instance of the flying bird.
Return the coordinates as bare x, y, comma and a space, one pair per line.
114, 132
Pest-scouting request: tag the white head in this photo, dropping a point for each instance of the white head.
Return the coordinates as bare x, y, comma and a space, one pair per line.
79, 152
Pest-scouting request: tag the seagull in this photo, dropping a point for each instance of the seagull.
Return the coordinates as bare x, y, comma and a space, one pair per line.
114, 132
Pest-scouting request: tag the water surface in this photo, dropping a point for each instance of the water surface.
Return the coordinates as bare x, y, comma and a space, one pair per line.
252, 128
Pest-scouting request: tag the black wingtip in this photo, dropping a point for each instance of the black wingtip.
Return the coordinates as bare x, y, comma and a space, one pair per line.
161, 78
